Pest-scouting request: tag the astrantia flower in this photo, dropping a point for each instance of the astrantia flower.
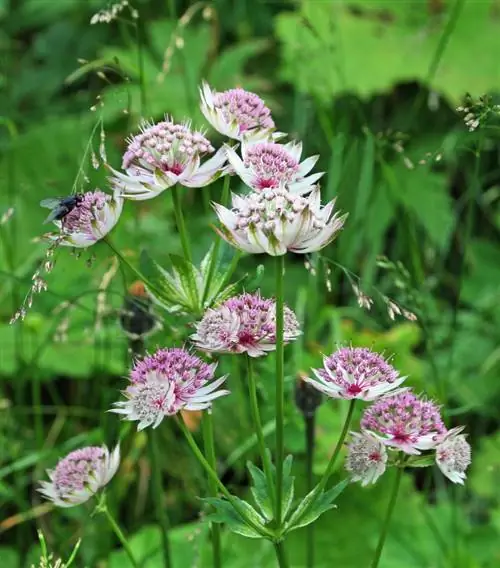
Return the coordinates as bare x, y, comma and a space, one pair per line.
244, 324
164, 154
80, 475
274, 221
236, 113
167, 382
355, 372
366, 457
453, 455
90, 220
268, 165
405, 421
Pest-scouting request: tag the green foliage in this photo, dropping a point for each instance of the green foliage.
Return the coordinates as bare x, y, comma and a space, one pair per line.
420, 189
367, 47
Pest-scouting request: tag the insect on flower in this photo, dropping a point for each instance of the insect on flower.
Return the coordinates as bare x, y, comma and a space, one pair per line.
87, 221
61, 206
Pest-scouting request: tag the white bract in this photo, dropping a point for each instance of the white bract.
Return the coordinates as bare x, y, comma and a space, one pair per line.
274, 221
163, 155
80, 475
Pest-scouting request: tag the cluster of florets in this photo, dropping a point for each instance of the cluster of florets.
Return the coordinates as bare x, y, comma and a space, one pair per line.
244, 324
397, 421
407, 424
281, 212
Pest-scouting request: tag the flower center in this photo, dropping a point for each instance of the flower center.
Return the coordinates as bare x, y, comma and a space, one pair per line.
166, 146
246, 109
272, 164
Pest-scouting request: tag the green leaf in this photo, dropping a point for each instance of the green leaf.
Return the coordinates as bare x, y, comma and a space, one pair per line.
392, 42
260, 491
421, 461
225, 513
310, 508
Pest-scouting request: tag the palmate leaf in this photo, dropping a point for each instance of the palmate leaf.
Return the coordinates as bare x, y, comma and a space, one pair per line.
181, 287
262, 493
311, 508
225, 513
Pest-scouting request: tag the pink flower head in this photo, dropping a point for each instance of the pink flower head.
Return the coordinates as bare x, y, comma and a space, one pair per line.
355, 372
269, 165
244, 324
236, 113
164, 154
80, 475
405, 421
166, 382
274, 221
90, 220
366, 457
453, 455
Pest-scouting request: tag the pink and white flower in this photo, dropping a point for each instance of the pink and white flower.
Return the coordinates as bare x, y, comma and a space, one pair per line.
366, 457
355, 372
236, 113
244, 324
166, 382
80, 475
90, 220
405, 421
269, 165
453, 455
274, 221
164, 154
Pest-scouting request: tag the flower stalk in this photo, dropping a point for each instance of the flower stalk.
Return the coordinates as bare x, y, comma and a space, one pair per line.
181, 226
388, 516
209, 446
161, 515
257, 424
214, 477
102, 507
280, 386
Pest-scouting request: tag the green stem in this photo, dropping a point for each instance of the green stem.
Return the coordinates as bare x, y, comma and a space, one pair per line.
280, 555
310, 424
257, 424
208, 440
161, 515
331, 464
280, 387
181, 226
214, 477
387, 520
103, 508
218, 241
340, 442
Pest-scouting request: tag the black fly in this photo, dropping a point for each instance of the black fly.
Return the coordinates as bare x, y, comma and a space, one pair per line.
61, 206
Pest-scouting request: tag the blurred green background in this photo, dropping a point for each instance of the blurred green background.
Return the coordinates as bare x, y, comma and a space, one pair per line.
371, 86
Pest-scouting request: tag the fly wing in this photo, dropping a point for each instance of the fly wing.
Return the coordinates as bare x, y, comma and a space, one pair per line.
51, 202
55, 213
